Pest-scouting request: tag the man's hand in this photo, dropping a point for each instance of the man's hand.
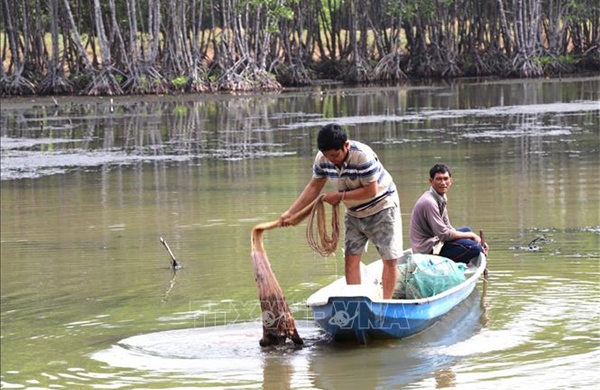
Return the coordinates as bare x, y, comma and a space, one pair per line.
486, 248
333, 197
483, 244
284, 219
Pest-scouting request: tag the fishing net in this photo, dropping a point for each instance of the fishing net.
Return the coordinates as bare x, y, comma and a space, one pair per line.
424, 276
278, 321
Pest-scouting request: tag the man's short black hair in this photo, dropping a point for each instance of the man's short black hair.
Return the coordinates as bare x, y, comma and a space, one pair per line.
331, 137
439, 168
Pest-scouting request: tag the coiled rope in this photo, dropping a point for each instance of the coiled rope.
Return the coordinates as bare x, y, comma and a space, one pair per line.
316, 229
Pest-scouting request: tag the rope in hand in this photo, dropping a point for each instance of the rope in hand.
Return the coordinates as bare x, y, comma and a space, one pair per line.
319, 240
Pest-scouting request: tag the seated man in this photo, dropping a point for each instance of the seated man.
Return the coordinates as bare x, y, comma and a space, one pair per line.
430, 229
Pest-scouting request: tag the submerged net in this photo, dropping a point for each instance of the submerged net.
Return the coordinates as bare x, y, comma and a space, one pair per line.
423, 276
278, 321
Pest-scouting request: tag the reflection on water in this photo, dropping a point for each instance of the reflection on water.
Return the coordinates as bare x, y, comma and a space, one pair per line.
55, 139
88, 296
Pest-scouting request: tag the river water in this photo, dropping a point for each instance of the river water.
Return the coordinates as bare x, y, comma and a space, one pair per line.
90, 185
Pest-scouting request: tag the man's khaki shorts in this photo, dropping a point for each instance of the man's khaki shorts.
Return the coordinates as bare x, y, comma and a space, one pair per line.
383, 229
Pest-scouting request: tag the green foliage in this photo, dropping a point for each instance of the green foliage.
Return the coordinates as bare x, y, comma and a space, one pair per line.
394, 8
328, 12
552, 60
424, 9
275, 10
179, 82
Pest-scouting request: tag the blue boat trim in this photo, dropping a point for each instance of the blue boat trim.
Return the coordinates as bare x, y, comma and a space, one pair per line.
358, 312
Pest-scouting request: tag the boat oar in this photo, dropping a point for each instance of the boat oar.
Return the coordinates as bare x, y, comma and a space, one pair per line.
278, 322
174, 262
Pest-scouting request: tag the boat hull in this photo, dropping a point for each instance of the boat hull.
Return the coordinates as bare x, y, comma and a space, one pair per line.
358, 313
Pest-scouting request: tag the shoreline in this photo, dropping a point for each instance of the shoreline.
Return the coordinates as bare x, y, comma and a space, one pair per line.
28, 101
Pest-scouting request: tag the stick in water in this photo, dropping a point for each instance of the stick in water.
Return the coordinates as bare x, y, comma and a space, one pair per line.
485, 271
174, 262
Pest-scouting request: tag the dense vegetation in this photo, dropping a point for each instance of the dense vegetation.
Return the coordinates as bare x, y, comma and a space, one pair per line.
110, 47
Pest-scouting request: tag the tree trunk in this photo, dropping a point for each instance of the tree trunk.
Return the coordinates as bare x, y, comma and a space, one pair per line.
527, 38
55, 81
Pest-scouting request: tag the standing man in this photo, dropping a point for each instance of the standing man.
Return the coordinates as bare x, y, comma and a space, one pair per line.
369, 194
430, 229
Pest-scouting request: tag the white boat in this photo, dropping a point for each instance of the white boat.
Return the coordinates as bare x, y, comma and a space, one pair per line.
359, 312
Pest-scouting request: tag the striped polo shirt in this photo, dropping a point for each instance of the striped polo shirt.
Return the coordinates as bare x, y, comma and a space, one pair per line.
361, 167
